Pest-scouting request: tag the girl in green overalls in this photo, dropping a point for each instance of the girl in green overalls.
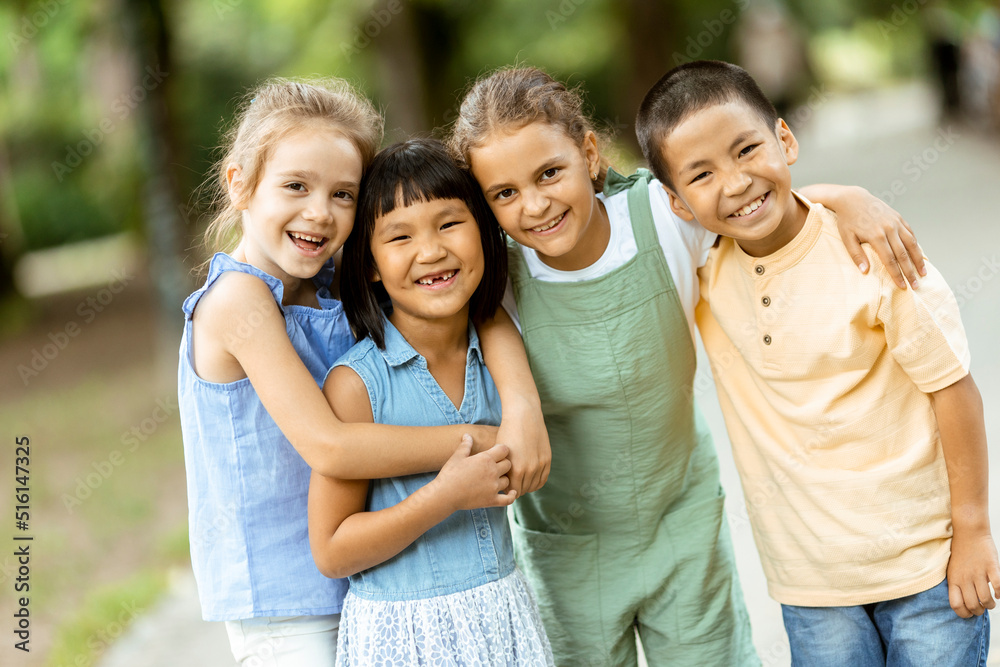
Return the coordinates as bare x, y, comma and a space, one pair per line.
629, 532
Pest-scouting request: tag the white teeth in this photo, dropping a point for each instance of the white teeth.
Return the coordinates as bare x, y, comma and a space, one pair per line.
306, 237
549, 225
440, 278
751, 207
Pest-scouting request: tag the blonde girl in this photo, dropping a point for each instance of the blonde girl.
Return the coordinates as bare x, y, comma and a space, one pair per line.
259, 337
630, 532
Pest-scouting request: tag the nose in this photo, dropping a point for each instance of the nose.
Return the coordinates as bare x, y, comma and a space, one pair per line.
735, 183
318, 209
430, 249
535, 202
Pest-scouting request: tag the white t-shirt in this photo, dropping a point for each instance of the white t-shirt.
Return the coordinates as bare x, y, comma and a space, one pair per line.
685, 246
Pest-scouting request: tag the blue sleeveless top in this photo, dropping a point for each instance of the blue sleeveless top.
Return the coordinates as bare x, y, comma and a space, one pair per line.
471, 547
247, 486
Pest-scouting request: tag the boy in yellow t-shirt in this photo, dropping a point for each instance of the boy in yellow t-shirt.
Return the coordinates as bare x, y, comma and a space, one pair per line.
856, 427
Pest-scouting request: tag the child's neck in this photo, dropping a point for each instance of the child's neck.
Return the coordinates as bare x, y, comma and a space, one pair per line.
792, 222
443, 343
435, 339
295, 291
590, 246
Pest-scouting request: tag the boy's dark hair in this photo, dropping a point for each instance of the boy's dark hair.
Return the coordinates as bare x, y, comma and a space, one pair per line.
405, 173
689, 88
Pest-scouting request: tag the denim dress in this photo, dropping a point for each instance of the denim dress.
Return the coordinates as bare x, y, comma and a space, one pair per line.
454, 595
247, 486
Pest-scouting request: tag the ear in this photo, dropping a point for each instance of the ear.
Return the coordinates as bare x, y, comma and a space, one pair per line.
234, 179
590, 152
788, 142
679, 208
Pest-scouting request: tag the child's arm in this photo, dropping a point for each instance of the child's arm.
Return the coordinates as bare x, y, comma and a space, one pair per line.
864, 218
240, 313
522, 428
973, 565
345, 539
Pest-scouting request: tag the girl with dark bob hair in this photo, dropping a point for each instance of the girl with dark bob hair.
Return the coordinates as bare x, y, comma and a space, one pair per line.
404, 173
430, 556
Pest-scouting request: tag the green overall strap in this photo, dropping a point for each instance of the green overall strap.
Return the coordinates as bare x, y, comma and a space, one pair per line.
639, 209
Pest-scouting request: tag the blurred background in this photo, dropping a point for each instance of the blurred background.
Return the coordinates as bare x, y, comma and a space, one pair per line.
109, 114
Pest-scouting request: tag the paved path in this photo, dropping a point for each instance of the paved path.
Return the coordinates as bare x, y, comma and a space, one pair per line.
945, 183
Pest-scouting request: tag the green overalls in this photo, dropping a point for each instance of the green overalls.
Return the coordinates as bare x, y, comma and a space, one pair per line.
629, 530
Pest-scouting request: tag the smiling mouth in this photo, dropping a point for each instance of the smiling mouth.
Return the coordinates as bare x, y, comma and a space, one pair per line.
550, 224
437, 278
307, 242
751, 207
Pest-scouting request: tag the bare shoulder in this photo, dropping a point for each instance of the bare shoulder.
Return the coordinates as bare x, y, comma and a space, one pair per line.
236, 304
233, 295
348, 395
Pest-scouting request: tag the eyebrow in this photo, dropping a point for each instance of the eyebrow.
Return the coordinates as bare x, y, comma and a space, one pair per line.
404, 225
392, 229
545, 166
740, 138
297, 173
307, 175
450, 210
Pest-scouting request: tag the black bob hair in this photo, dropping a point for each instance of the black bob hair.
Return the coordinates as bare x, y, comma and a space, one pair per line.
689, 88
405, 173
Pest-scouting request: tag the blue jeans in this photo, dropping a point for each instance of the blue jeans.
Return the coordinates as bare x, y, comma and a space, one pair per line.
916, 630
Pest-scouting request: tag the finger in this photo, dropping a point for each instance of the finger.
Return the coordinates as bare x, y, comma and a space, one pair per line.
503, 467
530, 481
464, 447
516, 481
856, 252
984, 599
909, 240
543, 476
503, 482
884, 250
504, 499
499, 452
970, 599
905, 259
957, 601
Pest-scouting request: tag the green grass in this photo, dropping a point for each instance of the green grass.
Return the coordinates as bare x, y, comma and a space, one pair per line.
104, 616
101, 550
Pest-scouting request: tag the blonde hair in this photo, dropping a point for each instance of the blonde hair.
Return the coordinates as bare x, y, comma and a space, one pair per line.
511, 98
266, 115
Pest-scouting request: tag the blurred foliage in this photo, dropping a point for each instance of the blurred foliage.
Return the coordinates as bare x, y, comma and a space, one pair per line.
72, 91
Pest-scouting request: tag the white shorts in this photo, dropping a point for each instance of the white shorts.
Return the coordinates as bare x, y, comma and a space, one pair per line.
285, 641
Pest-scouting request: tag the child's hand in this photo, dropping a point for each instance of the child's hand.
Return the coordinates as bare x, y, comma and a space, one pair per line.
973, 566
470, 481
864, 218
530, 453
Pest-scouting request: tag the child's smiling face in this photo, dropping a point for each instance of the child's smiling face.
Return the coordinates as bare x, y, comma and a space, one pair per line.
730, 172
303, 207
537, 180
429, 257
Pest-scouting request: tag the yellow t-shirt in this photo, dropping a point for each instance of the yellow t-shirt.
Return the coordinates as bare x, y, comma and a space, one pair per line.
822, 373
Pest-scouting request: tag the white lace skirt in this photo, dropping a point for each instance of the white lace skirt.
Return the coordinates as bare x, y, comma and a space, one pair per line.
495, 624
